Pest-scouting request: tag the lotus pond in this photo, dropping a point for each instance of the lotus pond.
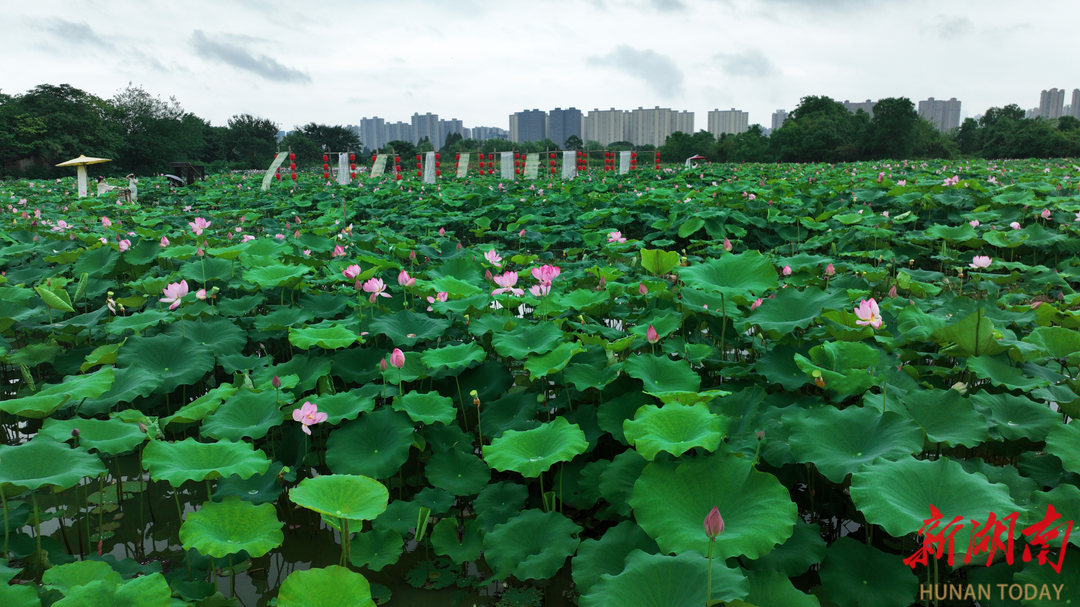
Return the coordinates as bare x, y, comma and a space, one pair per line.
533, 393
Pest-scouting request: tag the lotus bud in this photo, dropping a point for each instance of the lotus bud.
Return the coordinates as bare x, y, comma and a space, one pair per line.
442, 231
787, 270
276, 382
487, 275
642, 289
892, 291
397, 358
651, 335
75, 432
830, 270
760, 434
960, 387
382, 365
142, 427
603, 282
714, 523
459, 246
727, 245
412, 255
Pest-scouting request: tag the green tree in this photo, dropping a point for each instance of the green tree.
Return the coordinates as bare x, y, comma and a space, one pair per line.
57, 123
251, 142
892, 129
404, 150
819, 130
573, 142
968, 137
308, 153
494, 146
154, 131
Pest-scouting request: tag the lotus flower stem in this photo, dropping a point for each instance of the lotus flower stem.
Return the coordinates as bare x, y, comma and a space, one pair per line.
723, 327
708, 583
119, 482
344, 524
180, 513
461, 403
232, 578
3, 502
37, 524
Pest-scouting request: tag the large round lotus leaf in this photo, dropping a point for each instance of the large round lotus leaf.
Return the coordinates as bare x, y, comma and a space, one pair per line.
375, 445
454, 357
457, 472
792, 309
427, 408
375, 549
190, 460
342, 406
1056, 342
408, 327
326, 335
585, 376
43, 462
331, 586
675, 429
34, 407
842, 365
359, 365
219, 529
1000, 372
221, 336
1020, 487
176, 361
1066, 501
611, 414
661, 374
747, 275
778, 366
532, 452
531, 546
898, 495
399, 516
18, 596
773, 589
838, 441
67, 576
109, 437
617, 480
198, 409
854, 574
498, 503
608, 554
1060, 587
78, 387
542, 365
513, 411
947, 417
670, 501
1064, 442
1017, 417
201, 270
259, 489
144, 591
129, 383
268, 277
795, 556
342, 496
526, 339
247, 414
459, 544
656, 580
282, 318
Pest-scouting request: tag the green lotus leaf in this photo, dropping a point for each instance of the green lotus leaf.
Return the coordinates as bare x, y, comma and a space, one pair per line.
657, 580
219, 529
198, 409
108, 437
219, 335
1060, 587
375, 549
80, 573
661, 374
206, 269
268, 277
585, 376
617, 480
1064, 442
175, 360
359, 365
454, 357
498, 503
1056, 342
34, 407
778, 366
793, 309
971, 336
532, 452
128, 384
1017, 417
307, 368
898, 495
659, 262
282, 318
326, 335
258, 489
427, 408
145, 591
838, 441
246, 414
552, 362
342, 496
608, 554
513, 411
400, 516
331, 586
611, 414
531, 546
854, 574
526, 339
675, 429
44, 462
344, 405
376, 444
190, 460
842, 365
1066, 501
455, 287
1000, 373
663, 322
457, 472
947, 417
413, 370
408, 327
18, 595
747, 275
953, 234
444, 540
670, 501
794, 557
137, 323
774, 589
78, 387
586, 301
95, 262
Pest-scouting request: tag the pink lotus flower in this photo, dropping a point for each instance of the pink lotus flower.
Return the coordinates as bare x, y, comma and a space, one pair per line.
868, 314
885, 214
377, 288
103, 240
651, 335
308, 415
124, 245
787, 270
755, 305
506, 282
164, 242
440, 296
174, 293
405, 280
642, 289
616, 237
727, 245
546, 273
105, 222
714, 523
199, 225
201, 294
1045, 214
1077, 217
60, 225
279, 236
902, 183
540, 290
974, 223
1016, 224
245, 238
493, 258
980, 261
339, 251
351, 272
397, 358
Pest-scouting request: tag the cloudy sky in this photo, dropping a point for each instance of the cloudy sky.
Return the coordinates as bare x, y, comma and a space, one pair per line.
336, 61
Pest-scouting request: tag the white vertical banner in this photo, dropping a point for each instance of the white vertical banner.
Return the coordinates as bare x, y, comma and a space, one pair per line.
343, 169
569, 164
429, 167
624, 163
463, 165
379, 166
532, 165
506, 165
269, 176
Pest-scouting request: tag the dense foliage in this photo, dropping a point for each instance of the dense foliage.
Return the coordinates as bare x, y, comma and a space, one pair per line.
511, 392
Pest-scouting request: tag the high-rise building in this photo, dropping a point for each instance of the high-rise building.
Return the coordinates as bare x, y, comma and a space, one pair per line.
483, 133
1032, 113
606, 126
779, 117
373, 132
866, 106
1050, 103
399, 131
1074, 107
944, 115
682, 121
652, 127
528, 125
446, 127
426, 126
731, 121
562, 124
